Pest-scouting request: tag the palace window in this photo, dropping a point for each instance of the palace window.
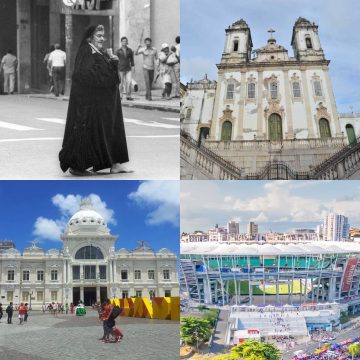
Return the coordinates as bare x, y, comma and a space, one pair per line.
9, 296
137, 274
26, 275
11, 275
125, 294
236, 45
124, 274
251, 90
296, 89
54, 275
39, 296
151, 274
317, 88
230, 91
54, 296
89, 252
40, 275
25, 296
308, 43
76, 272
138, 293
151, 294
166, 274
102, 271
274, 90
90, 272
167, 293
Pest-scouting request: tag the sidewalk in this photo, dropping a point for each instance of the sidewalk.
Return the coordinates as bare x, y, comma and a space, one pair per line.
157, 103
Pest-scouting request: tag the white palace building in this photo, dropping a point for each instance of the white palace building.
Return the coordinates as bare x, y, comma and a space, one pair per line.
88, 267
269, 115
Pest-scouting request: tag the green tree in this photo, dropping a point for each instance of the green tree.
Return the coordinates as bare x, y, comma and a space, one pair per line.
194, 330
256, 350
211, 316
354, 350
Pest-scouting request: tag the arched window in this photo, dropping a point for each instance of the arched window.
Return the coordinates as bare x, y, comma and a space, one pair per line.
236, 45
274, 90
89, 252
324, 129
308, 43
350, 133
226, 131
251, 90
275, 127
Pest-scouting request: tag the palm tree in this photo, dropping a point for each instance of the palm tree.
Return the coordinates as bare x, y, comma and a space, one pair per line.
354, 350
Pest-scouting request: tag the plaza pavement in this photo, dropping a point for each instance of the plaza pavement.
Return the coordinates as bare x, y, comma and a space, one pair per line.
44, 337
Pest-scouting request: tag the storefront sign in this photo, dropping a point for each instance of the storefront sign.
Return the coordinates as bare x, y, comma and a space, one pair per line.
88, 4
349, 274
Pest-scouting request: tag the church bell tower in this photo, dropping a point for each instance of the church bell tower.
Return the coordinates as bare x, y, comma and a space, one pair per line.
238, 43
305, 41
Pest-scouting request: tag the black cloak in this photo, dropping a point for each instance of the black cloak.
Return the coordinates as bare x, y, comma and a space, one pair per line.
94, 132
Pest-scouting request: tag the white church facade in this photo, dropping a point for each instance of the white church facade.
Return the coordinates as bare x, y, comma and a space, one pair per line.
267, 106
88, 268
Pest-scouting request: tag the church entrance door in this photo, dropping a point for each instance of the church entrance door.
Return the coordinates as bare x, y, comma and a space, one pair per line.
275, 128
89, 296
351, 134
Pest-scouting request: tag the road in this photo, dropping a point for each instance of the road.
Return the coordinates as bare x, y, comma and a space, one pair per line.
31, 133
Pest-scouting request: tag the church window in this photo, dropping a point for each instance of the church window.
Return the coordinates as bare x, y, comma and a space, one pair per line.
188, 114
296, 89
317, 88
26, 275
151, 275
226, 131
54, 275
102, 271
76, 272
137, 274
167, 293
166, 274
11, 275
125, 294
138, 293
90, 272
124, 275
89, 252
40, 275
251, 91
236, 45
308, 43
274, 90
324, 129
275, 128
230, 91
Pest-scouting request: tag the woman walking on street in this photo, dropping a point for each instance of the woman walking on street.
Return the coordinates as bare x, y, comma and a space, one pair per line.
94, 136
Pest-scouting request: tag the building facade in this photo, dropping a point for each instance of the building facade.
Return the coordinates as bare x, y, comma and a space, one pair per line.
88, 267
336, 228
266, 107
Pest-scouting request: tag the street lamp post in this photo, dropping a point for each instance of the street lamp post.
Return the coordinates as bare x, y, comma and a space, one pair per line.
31, 294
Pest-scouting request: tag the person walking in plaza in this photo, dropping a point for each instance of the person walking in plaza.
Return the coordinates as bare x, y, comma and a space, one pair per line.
22, 311
125, 67
8, 67
57, 62
1, 311
72, 308
10, 310
48, 69
94, 132
149, 61
104, 314
166, 69
66, 308
26, 312
176, 81
43, 307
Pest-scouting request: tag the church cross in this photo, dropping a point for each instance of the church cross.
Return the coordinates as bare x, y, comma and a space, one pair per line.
271, 31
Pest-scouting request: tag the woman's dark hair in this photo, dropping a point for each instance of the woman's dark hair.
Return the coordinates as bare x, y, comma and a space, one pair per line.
89, 32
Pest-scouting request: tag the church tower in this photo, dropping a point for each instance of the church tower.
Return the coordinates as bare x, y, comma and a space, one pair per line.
238, 43
305, 41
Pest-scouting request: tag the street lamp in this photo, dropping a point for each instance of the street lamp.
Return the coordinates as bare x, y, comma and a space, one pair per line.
31, 294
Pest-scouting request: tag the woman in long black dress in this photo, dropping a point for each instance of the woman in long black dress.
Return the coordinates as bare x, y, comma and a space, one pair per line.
94, 136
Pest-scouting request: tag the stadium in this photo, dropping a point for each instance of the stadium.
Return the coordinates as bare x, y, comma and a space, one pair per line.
309, 282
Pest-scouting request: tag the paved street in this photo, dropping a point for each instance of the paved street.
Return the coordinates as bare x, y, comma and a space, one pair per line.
31, 132
72, 337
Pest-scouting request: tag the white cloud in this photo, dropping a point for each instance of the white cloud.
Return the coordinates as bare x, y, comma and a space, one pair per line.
162, 198
68, 205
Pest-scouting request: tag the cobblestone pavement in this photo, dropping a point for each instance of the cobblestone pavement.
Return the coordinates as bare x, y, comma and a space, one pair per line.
44, 337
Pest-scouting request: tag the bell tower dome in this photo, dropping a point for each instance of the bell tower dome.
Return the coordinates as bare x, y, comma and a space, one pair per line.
238, 43
305, 41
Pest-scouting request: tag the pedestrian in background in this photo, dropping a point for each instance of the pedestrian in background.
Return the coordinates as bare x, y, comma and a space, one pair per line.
57, 62
1, 311
125, 67
22, 311
149, 61
48, 68
176, 84
10, 310
26, 312
71, 308
167, 61
94, 133
8, 66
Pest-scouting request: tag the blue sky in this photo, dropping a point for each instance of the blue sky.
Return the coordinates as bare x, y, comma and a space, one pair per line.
274, 205
203, 24
38, 210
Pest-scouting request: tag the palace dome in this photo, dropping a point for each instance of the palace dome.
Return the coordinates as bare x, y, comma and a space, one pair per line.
86, 220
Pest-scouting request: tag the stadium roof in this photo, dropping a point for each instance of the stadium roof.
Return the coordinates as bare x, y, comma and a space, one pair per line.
313, 248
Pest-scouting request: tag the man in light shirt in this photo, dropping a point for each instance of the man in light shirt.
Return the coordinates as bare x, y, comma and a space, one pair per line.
57, 62
8, 66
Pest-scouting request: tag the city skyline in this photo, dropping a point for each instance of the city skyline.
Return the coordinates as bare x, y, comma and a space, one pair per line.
205, 44
134, 210
278, 206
